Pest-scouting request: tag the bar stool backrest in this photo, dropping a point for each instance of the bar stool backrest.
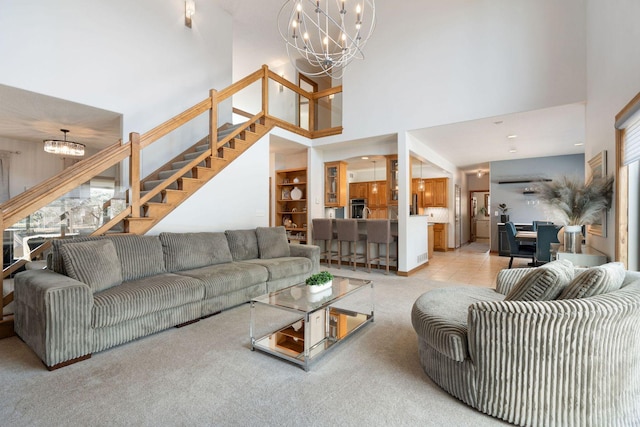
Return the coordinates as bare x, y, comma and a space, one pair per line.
322, 229
379, 231
347, 230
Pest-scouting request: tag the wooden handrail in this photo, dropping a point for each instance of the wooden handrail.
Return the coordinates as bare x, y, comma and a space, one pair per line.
326, 92
242, 113
289, 85
290, 127
239, 85
174, 123
54, 188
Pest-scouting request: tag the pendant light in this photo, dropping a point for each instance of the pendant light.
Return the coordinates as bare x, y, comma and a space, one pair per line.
64, 147
421, 184
374, 188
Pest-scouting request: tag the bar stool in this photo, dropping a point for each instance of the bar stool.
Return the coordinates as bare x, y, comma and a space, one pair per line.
379, 233
323, 231
348, 232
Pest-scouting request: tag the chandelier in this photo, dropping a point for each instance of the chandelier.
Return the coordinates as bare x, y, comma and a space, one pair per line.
67, 148
328, 34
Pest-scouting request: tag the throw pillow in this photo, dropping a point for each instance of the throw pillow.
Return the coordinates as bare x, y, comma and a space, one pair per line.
543, 283
595, 281
94, 262
272, 242
185, 251
243, 244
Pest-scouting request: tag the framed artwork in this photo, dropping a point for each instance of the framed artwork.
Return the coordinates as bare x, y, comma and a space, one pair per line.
598, 166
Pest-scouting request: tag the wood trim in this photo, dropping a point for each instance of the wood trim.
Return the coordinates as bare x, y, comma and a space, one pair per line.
413, 271
174, 123
109, 225
326, 132
134, 174
238, 131
242, 113
289, 85
327, 92
213, 120
239, 85
630, 105
68, 362
265, 89
622, 205
290, 127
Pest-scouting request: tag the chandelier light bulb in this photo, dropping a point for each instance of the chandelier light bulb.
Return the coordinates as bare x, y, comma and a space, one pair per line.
330, 37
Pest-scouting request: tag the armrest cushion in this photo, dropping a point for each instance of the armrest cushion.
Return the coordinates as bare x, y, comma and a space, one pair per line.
308, 251
53, 315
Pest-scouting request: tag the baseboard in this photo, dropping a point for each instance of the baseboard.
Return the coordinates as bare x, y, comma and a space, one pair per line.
6, 327
409, 273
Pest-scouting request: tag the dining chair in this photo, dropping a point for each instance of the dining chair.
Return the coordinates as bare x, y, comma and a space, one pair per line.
547, 234
516, 249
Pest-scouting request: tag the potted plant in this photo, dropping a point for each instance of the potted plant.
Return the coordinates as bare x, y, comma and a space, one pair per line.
319, 282
503, 212
576, 204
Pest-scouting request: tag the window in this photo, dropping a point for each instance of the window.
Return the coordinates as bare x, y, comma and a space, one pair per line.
627, 189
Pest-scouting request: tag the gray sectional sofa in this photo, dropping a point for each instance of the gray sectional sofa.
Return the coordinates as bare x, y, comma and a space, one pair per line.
99, 292
534, 355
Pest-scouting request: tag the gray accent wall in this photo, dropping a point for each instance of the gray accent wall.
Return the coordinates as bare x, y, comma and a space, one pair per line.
525, 208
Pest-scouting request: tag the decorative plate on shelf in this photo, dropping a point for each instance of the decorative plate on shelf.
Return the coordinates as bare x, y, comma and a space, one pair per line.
296, 180
296, 193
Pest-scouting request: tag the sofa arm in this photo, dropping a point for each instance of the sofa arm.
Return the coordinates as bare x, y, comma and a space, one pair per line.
53, 315
538, 363
308, 251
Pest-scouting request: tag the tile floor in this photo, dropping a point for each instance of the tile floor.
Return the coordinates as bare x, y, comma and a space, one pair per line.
467, 266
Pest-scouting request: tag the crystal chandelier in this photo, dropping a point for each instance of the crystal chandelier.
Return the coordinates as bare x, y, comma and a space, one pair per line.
67, 148
328, 34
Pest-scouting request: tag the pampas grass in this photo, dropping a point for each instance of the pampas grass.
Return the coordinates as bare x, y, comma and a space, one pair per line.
577, 203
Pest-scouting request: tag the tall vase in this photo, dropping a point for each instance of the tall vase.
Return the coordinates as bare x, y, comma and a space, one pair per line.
573, 238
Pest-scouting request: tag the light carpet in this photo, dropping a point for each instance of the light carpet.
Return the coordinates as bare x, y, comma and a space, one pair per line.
205, 374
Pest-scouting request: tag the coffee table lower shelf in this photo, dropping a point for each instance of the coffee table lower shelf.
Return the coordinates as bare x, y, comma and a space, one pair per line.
289, 342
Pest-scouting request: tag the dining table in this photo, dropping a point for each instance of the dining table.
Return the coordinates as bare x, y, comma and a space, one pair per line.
527, 236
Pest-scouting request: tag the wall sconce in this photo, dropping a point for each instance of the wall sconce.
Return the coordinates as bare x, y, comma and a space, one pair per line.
281, 88
189, 11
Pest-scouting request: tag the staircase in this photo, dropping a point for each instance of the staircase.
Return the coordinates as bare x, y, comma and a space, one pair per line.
237, 139
150, 199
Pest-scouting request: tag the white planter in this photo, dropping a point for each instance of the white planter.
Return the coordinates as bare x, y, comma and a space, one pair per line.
314, 289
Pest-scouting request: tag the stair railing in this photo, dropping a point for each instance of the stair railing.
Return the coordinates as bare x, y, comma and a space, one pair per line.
41, 195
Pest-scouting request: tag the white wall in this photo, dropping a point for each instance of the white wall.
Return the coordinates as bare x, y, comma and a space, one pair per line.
433, 62
613, 70
237, 198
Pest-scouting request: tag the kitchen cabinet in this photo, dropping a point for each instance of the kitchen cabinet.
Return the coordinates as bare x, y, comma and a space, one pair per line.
440, 237
358, 190
435, 194
379, 198
291, 203
335, 184
430, 240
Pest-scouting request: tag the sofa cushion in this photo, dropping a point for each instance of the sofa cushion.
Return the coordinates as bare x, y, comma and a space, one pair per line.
140, 256
595, 281
185, 251
140, 297
440, 317
224, 278
94, 262
243, 244
279, 268
272, 242
543, 283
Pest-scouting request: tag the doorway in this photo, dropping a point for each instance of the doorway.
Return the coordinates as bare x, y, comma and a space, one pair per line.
306, 112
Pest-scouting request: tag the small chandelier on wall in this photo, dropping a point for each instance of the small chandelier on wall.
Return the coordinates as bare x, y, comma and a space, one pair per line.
328, 34
64, 147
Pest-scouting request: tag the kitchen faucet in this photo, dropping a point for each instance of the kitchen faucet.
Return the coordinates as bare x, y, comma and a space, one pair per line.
366, 212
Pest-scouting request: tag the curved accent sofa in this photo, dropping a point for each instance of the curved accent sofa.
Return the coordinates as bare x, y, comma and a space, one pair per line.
570, 362
99, 292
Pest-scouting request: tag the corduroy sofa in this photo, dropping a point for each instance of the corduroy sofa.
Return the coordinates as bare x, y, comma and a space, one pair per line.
99, 292
559, 362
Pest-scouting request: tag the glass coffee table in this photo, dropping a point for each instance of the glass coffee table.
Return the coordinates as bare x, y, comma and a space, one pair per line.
299, 326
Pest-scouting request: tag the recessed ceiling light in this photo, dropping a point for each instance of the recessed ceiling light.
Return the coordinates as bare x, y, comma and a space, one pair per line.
512, 136
579, 144
499, 122
364, 158
513, 150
